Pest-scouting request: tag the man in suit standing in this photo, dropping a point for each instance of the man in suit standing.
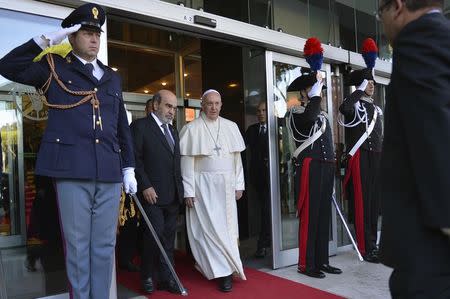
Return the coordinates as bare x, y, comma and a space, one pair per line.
86, 147
160, 186
256, 140
415, 169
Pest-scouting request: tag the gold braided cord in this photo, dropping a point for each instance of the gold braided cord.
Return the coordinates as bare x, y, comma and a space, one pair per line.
89, 95
124, 212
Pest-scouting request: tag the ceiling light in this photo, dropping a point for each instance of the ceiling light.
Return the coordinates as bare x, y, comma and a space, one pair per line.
188, 94
232, 85
163, 83
185, 75
146, 91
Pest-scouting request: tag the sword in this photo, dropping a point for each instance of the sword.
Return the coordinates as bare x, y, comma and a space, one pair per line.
183, 290
346, 227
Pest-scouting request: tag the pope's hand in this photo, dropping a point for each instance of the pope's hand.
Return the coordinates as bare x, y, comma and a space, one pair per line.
150, 195
56, 37
363, 85
316, 89
189, 202
239, 194
129, 181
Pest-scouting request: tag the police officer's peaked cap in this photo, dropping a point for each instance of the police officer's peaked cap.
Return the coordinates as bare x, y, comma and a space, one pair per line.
90, 16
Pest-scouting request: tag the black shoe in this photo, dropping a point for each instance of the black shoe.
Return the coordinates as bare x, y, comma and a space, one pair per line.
261, 252
170, 286
371, 258
330, 269
226, 283
130, 267
312, 273
147, 285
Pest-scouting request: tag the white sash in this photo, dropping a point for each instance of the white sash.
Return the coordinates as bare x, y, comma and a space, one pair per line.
366, 133
311, 139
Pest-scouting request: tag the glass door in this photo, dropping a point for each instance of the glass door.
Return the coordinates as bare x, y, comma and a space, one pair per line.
281, 71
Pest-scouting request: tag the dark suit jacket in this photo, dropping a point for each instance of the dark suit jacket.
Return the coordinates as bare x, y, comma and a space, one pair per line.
415, 167
259, 156
352, 135
156, 165
70, 147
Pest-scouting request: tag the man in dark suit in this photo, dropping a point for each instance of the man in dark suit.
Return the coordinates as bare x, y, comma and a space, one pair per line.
256, 140
415, 169
86, 148
160, 187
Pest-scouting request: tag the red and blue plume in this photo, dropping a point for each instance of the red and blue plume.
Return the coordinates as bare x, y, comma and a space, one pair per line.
369, 52
313, 53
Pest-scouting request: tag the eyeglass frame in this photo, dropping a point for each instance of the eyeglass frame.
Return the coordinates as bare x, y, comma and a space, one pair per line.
381, 9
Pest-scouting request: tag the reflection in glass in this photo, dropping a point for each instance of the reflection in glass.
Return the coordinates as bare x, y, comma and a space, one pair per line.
9, 180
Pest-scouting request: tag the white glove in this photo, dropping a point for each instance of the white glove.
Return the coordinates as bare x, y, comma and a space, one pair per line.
280, 108
129, 181
363, 85
56, 37
446, 231
316, 89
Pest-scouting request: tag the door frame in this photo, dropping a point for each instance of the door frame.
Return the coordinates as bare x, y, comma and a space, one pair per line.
280, 257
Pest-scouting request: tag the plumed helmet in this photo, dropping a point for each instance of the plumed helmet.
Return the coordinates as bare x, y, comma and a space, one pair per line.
369, 52
314, 56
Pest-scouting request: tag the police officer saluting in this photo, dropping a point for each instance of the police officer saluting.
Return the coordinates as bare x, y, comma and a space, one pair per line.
86, 148
363, 134
315, 167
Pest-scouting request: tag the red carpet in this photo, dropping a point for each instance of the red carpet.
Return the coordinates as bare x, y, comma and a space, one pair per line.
258, 285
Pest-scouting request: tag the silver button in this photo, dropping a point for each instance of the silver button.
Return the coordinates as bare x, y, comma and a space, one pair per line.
70, 82
95, 89
97, 141
57, 139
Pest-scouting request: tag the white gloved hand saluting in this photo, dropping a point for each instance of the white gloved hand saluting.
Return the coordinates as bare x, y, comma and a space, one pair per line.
129, 180
56, 37
363, 85
316, 89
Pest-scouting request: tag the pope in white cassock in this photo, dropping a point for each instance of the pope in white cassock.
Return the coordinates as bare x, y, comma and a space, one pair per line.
213, 180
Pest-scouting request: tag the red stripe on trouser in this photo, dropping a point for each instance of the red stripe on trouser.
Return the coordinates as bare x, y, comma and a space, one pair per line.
354, 171
303, 213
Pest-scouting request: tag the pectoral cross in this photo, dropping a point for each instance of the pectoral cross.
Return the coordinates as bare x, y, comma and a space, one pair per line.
217, 149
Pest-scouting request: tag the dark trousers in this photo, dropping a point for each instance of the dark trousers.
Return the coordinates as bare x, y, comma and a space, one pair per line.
263, 194
127, 241
317, 225
419, 285
164, 221
369, 169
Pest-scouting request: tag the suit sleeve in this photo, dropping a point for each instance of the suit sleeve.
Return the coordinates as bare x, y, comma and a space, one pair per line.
138, 139
124, 136
188, 175
18, 65
422, 81
239, 172
347, 108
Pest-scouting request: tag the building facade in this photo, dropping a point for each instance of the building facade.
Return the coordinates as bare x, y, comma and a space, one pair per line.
249, 50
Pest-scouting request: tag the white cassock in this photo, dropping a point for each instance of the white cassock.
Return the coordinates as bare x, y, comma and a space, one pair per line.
212, 176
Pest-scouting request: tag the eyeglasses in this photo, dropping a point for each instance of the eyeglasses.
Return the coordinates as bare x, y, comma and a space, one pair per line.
381, 8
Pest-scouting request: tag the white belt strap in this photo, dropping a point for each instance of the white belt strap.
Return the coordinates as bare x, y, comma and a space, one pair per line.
311, 139
366, 133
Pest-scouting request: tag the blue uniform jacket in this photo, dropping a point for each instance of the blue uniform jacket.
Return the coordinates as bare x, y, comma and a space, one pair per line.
70, 147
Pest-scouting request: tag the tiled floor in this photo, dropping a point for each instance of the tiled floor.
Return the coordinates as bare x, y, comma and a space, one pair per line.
359, 280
